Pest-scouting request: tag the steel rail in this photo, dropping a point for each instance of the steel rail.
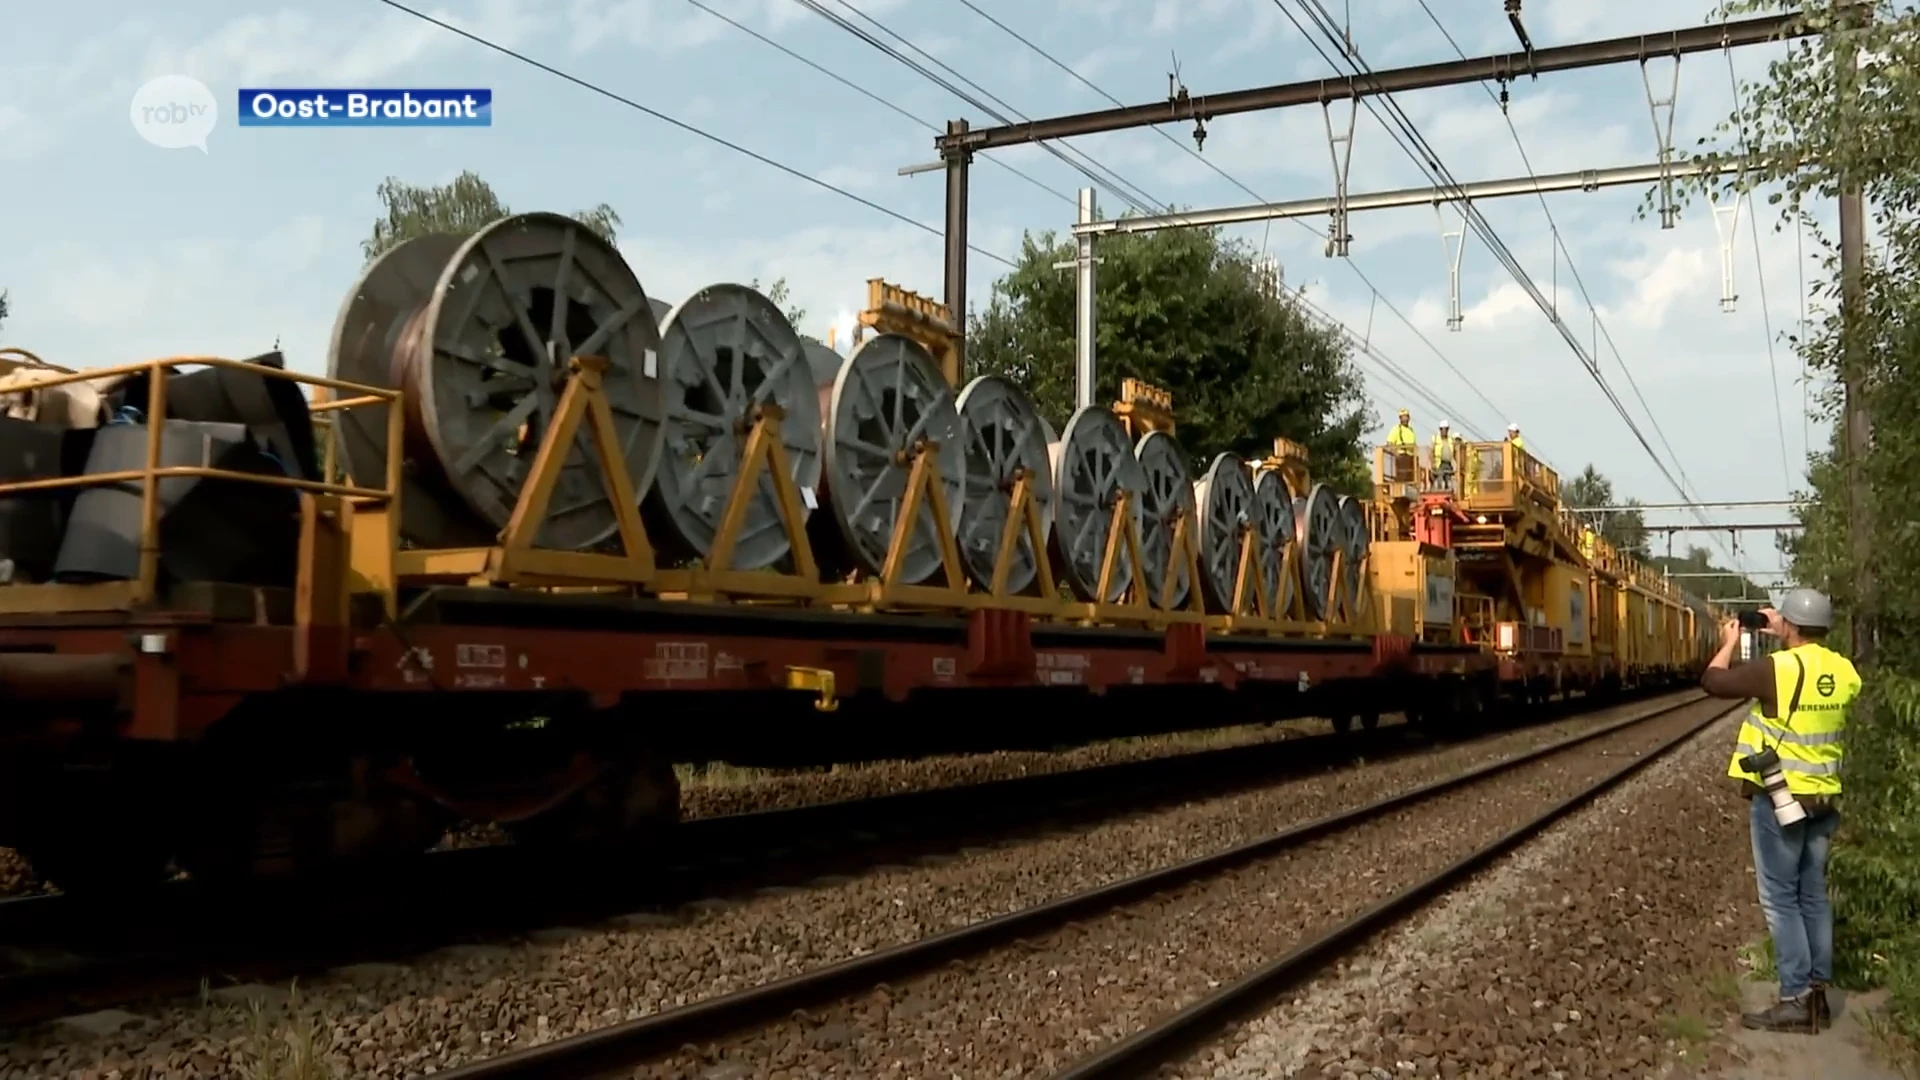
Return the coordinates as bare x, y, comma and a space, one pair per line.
622, 1045
1138, 1054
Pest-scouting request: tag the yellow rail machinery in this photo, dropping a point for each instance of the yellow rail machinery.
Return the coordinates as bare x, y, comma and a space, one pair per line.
1515, 550
1412, 561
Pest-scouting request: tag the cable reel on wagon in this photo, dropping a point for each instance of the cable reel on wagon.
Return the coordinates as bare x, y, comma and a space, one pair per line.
480, 332
1008, 475
890, 416
730, 362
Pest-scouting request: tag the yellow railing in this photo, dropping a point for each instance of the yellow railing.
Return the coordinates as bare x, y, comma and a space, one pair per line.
141, 590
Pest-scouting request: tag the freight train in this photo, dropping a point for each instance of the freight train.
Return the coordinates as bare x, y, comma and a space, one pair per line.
537, 536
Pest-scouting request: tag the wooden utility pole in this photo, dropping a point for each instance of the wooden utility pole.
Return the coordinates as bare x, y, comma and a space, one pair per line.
1856, 416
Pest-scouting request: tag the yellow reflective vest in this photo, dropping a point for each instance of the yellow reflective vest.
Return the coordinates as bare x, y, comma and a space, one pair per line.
1518, 443
1810, 732
1402, 436
1442, 450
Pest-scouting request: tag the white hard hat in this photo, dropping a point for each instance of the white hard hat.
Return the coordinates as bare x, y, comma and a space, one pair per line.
1513, 427
1443, 423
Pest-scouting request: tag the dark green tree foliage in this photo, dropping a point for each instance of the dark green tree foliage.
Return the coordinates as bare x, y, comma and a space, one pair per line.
1819, 123
463, 206
1626, 530
1184, 310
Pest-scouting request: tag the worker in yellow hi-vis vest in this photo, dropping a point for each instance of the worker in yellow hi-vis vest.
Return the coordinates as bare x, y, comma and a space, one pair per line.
1788, 758
1403, 447
1445, 452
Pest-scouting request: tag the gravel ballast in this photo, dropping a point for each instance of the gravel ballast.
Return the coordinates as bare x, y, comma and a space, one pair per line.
1603, 949
1044, 1003
463, 1004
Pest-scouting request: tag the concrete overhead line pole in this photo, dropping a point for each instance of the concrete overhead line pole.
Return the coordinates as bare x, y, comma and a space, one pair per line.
961, 142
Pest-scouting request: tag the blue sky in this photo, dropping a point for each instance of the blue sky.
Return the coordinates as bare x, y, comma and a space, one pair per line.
116, 250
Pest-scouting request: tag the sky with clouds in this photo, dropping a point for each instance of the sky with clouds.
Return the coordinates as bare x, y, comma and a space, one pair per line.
113, 249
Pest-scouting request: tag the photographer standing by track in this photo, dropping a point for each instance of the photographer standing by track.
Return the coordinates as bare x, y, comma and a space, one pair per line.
1788, 763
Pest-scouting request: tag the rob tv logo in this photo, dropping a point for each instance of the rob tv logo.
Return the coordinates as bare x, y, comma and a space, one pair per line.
174, 112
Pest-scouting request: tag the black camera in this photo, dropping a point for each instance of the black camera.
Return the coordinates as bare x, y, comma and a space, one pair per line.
1751, 620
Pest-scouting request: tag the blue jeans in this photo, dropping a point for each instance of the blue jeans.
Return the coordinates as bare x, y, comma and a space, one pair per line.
1790, 864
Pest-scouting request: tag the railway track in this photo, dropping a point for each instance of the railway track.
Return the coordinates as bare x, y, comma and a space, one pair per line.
60, 955
710, 1025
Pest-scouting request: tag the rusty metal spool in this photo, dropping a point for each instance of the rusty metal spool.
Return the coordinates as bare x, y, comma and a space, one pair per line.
1319, 532
888, 399
1168, 500
1093, 462
479, 331
725, 352
1225, 496
1275, 534
1003, 435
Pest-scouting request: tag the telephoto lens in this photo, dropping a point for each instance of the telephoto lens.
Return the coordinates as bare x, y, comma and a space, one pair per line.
1766, 765
1751, 620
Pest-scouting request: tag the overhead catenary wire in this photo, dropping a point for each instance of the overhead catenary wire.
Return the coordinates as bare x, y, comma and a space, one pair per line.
1429, 162
1073, 157
1561, 249
1760, 273
1139, 198
691, 129
871, 96
1236, 182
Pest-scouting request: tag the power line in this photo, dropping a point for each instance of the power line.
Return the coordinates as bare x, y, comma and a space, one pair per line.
1137, 197
684, 126
1760, 272
1560, 248
869, 95
1087, 166
1235, 181
1429, 162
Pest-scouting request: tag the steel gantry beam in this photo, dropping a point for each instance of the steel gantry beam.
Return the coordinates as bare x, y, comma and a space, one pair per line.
1474, 191
962, 141
1504, 67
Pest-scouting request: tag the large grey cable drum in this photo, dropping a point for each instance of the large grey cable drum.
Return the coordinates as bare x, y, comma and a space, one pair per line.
724, 352
888, 398
1169, 500
479, 332
1276, 532
1319, 532
1355, 541
1001, 433
1225, 497
1093, 462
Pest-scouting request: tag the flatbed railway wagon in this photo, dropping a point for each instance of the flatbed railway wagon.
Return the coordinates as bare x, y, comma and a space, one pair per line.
536, 537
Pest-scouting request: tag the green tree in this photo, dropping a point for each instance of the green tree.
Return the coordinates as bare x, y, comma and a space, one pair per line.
1626, 530
463, 206
3, 305
1185, 310
1836, 113
782, 297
